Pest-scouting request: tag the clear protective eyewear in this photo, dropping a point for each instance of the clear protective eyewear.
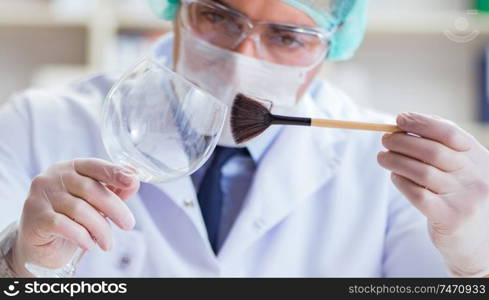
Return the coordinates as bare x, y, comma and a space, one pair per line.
227, 28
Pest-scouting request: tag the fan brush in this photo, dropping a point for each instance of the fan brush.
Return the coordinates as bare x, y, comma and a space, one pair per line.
250, 118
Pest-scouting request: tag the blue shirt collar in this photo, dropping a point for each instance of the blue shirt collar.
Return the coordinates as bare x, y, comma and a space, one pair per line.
260, 145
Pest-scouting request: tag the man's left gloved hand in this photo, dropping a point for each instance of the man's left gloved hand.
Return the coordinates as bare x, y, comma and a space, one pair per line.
444, 172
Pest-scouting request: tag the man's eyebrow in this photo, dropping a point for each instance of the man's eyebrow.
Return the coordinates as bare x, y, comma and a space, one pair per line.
228, 6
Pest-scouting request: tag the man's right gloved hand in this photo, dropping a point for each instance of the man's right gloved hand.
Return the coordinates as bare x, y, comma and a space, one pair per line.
67, 207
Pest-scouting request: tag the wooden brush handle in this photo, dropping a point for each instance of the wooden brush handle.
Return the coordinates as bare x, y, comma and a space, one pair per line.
354, 125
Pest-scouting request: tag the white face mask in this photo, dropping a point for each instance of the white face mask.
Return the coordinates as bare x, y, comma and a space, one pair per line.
224, 74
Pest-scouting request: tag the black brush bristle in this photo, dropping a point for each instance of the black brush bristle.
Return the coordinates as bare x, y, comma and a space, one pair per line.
249, 118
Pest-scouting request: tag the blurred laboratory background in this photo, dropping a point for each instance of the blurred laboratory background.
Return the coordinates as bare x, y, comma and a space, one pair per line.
426, 56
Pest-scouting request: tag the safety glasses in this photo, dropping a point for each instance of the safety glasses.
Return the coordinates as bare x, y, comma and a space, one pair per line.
227, 28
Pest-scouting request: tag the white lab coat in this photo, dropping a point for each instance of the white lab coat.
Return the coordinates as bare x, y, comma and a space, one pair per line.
319, 204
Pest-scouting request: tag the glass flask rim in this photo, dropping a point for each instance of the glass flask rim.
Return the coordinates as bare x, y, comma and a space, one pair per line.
141, 174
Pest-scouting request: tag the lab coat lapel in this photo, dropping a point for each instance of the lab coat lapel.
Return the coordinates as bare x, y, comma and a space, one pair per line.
182, 192
300, 161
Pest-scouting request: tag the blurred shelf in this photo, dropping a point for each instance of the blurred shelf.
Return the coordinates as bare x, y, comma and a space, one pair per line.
44, 19
102, 22
40, 16
427, 22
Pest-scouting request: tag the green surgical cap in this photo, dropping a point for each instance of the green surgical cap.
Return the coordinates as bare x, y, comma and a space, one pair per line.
348, 16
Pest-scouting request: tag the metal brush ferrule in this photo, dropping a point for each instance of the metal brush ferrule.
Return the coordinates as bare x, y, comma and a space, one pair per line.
285, 120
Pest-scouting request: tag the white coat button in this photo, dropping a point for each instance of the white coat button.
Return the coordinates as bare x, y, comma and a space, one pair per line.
188, 203
124, 262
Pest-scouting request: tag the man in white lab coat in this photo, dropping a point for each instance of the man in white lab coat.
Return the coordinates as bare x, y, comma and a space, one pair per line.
297, 202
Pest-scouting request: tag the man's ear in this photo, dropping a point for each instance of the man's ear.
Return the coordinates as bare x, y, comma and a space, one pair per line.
176, 39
